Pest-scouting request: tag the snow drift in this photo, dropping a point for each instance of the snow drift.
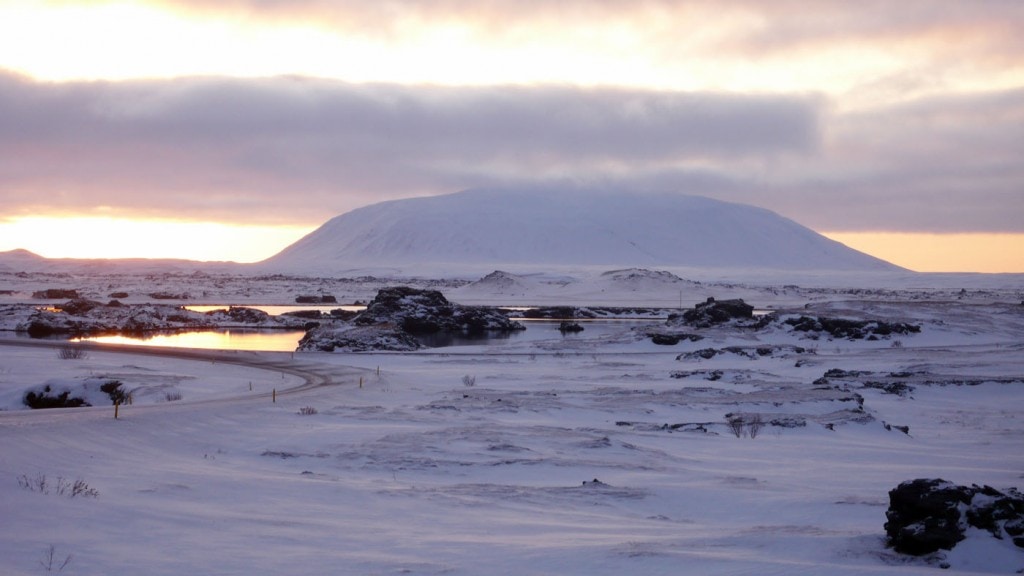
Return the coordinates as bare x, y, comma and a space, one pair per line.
574, 228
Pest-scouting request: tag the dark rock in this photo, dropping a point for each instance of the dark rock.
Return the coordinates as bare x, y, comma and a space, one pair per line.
706, 354
997, 512
712, 375
321, 299
558, 313
55, 294
891, 427
342, 314
925, 514
898, 388
568, 326
357, 339
40, 329
118, 295
420, 311
788, 422
169, 296
850, 329
247, 315
307, 314
671, 339
713, 312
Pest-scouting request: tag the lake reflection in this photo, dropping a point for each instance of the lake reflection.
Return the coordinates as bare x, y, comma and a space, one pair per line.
257, 340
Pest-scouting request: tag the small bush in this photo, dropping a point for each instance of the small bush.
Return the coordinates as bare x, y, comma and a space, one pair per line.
116, 392
172, 396
754, 425
751, 424
736, 425
51, 562
308, 411
72, 353
468, 381
60, 487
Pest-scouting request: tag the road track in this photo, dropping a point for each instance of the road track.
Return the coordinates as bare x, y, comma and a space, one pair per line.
313, 376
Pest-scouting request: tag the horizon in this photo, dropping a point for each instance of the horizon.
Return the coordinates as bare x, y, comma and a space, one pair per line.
887, 128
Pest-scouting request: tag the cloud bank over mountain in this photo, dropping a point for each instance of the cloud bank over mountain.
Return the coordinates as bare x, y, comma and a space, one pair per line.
297, 150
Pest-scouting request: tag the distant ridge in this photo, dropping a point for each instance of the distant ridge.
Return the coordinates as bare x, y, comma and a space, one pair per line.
567, 228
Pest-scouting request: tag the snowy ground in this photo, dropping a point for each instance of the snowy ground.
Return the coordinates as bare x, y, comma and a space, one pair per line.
406, 469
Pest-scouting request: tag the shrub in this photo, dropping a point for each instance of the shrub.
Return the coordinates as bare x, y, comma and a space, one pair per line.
172, 396
61, 487
308, 411
72, 353
116, 392
468, 380
754, 425
51, 562
736, 425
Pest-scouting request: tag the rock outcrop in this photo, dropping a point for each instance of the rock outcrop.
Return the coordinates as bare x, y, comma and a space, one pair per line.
928, 515
396, 315
80, 317
419, 311
712, 313
851, 329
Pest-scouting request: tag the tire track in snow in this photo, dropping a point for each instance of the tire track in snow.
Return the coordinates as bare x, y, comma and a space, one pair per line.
312, 376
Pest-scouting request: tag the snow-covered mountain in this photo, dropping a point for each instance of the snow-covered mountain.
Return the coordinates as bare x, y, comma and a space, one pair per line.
496, 228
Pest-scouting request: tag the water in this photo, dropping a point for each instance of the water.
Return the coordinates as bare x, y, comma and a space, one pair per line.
233, 339
288, 340
278, 310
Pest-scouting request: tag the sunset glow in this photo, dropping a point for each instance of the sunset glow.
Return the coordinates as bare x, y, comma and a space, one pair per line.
89, 237
941, 252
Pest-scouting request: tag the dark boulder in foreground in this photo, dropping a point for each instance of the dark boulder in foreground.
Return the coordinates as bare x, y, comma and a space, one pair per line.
927, 515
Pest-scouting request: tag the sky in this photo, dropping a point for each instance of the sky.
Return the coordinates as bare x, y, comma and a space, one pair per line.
227, 130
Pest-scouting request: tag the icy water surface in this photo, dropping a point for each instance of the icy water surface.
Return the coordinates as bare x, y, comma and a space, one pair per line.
288, 340
235, 339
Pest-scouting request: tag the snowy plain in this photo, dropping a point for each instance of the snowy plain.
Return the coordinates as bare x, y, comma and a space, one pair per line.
596, 454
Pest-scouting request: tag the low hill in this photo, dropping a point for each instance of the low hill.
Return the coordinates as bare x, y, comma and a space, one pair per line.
496, 228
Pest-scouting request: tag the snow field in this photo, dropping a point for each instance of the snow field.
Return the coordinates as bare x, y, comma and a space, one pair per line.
417, 473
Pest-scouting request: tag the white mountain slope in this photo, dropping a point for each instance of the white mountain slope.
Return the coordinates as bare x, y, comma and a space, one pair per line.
515, 227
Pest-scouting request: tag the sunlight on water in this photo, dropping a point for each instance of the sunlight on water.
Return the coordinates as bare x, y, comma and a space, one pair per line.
259, 340
278, 310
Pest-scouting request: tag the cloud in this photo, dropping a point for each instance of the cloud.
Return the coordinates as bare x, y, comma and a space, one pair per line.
754, 28
942, 164
298, 150
292, 148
